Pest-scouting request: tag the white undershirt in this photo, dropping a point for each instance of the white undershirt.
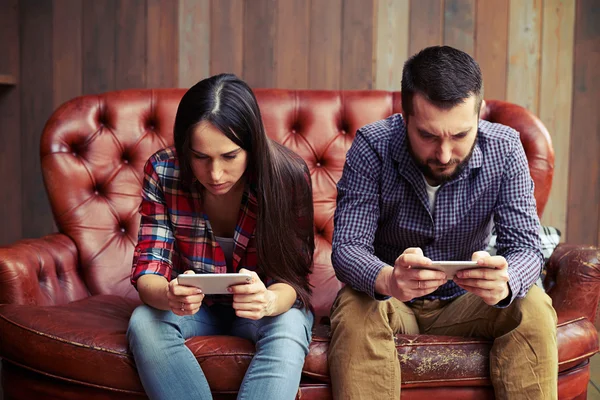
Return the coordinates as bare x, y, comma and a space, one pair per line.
227, 245
431, 193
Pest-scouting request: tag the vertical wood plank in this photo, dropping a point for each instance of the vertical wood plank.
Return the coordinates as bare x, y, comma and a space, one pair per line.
556, 95
491, 46
9, 38
67, 50
194, 41
10, 135
524, 37
358, 36
325, 49
392, 35
36, 107
226, 36
130, 42
459, 25
291, 44
259, 42
583, 216
162, 43
99, 46
426, 24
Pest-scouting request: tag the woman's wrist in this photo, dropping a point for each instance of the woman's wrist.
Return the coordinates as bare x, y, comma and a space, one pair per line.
272, 303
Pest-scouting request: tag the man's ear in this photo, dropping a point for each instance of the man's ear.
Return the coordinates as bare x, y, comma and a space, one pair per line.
482, 107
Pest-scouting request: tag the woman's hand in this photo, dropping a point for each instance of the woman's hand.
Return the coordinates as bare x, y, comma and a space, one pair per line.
184, 300
253, 300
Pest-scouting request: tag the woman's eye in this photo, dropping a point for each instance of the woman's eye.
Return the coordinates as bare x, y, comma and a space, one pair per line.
230, 157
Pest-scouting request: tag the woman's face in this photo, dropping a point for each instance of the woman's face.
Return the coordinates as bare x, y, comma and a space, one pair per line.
216, 161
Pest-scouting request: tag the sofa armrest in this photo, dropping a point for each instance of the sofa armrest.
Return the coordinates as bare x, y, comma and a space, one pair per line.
41, 271
573, 281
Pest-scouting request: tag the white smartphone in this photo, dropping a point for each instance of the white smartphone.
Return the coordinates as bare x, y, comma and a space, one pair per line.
451, 267
213, 283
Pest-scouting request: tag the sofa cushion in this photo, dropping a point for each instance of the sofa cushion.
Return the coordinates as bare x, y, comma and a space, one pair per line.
85, 342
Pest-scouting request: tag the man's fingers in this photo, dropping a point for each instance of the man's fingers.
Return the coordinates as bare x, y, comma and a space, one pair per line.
407, 260
414, 250
478, 255
428, 284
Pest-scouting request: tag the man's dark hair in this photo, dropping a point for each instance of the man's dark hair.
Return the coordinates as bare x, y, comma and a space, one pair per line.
444, 76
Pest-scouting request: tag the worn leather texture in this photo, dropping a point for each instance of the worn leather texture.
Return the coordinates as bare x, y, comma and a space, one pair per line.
66, 298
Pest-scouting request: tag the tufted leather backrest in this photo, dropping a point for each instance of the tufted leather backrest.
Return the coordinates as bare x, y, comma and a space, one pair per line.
94, 148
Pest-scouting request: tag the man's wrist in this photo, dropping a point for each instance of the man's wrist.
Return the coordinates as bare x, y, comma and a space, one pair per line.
505, 302
382, 282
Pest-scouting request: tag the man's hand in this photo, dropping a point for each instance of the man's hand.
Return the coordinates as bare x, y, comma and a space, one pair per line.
489, 283
253, 300
184, 300
406, 280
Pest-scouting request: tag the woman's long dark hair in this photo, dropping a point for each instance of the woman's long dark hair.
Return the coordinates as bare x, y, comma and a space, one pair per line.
284, 231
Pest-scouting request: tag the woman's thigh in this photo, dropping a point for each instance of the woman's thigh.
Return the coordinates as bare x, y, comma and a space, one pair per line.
295, 324
152, 322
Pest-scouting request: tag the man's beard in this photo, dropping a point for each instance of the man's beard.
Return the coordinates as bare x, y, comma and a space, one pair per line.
438, 179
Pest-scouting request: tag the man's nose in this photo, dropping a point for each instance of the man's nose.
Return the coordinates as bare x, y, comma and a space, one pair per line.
444, 153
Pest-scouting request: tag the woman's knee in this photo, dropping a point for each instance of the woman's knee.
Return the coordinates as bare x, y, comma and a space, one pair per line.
145, 322
292, 327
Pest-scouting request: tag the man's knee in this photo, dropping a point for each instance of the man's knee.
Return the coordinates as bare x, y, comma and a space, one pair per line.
537, 306
350, 305
356, 312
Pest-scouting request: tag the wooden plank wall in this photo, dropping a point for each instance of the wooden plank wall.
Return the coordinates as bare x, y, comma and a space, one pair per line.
541, 54
10, 121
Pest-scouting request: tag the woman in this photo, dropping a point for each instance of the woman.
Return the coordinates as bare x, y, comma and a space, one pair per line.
224, 199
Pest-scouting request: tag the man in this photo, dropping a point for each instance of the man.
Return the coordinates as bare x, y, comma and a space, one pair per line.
429, 185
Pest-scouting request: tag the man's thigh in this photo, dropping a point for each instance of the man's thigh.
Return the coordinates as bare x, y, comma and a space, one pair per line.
469, 315
354, 308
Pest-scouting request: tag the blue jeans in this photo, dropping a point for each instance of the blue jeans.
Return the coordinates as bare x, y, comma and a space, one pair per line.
169, 370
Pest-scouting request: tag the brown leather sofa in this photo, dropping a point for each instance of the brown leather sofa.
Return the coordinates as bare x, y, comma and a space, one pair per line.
66, 298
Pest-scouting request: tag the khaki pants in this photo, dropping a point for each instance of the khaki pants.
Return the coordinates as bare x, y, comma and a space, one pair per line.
363, 361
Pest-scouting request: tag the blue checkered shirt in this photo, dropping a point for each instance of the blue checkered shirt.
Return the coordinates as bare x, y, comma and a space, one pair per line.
383, 208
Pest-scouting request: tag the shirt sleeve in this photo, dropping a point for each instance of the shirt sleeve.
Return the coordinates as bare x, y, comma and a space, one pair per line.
154, 251
356, 218
518, 226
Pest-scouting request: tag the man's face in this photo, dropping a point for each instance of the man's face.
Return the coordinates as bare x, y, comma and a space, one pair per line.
441, 141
